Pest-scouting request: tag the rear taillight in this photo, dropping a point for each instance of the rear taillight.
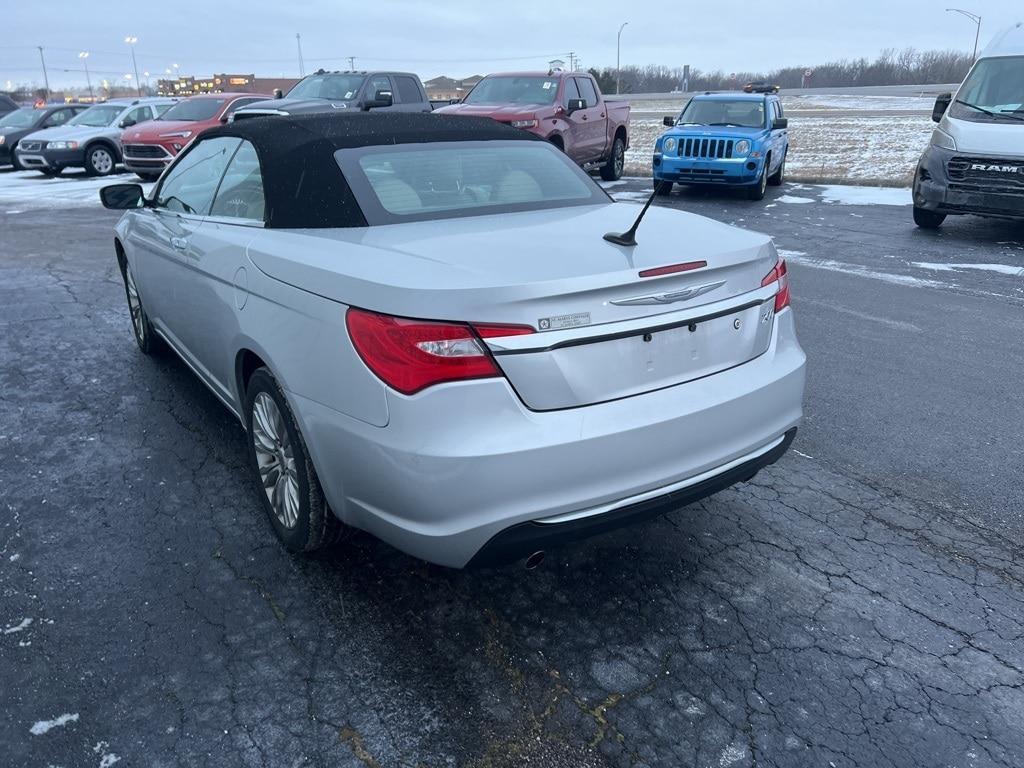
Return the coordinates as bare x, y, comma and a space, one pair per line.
780, 275
411, 355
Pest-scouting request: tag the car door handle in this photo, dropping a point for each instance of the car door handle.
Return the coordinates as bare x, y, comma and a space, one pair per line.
179, 243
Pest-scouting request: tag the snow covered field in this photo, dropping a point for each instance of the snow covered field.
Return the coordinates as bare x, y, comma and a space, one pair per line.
846, 146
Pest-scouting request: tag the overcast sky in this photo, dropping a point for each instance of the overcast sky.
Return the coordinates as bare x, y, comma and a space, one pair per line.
464, 37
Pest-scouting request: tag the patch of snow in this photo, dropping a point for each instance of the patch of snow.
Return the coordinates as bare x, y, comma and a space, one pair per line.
859, 270
24, 624
60, 192
45, 726
109, 759
15, 557
793, 199
732, 754
842, 195
1003, 269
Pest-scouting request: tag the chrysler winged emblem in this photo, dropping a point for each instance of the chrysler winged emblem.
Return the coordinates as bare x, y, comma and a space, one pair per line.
671, 296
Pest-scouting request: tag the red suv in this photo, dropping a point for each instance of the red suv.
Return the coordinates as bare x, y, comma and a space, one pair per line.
150, 147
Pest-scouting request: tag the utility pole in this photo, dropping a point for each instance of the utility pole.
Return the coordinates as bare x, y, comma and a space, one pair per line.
132, 40
618, 51
352, 63
977, 32
84, 56
46, 78
298, 43
572, 61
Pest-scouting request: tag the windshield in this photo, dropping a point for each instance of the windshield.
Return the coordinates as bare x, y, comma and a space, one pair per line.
20, 118
743, 113
193, 109
514, 90
97, 117
335, 87
995, 85
446, 180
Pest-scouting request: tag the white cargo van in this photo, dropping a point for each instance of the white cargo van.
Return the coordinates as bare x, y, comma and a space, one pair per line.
975, 162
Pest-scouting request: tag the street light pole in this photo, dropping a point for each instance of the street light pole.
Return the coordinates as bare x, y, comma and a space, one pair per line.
132, 40
302, 66
84, 56
46, 78
977, 32
618, 50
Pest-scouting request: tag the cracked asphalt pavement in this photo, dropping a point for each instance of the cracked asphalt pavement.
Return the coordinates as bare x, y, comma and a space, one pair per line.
861, 603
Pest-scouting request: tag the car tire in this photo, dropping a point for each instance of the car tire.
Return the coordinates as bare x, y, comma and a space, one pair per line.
756, 191
148, 178
100, 160
149, 343
612, 170
51, 173
295, 502
926, 219
777, 178
662, 188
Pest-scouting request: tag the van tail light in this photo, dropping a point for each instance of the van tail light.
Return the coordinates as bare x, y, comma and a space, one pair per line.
411, 355
780, 275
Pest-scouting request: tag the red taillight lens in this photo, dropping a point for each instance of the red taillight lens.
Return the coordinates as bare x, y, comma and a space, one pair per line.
411, 355
672, 269
780, 275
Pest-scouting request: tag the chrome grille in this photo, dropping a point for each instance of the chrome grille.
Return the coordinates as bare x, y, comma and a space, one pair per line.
31, 146
711, 149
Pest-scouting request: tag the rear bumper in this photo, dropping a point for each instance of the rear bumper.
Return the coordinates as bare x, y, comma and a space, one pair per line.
459, 464
935, 191
693, 171
519, 541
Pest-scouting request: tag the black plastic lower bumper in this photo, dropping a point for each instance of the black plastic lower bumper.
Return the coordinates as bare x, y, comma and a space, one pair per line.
523, 539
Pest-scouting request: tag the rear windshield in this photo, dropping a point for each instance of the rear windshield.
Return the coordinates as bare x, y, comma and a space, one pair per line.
193, 109
448, 180
335, 87
98, 116
514, 89
20, 118
996, 89
741, 113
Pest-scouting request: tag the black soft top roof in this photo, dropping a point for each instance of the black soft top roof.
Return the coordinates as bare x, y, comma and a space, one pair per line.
303, 185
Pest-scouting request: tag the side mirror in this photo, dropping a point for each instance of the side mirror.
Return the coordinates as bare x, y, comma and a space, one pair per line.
380, 99
941, 105
225, 118
278, 93
454, 101
127, 123
122, 197
576, 104
668, 122
780, 123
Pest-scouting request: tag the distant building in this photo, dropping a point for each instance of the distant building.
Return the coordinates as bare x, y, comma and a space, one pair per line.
222, 83
441, 88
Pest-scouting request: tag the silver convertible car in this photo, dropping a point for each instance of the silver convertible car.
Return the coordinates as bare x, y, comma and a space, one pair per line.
427, 334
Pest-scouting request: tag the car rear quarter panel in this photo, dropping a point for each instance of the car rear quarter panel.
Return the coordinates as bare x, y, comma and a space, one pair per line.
302, 337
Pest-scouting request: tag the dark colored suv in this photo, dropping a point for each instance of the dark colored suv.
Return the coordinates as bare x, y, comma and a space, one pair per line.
16, 125
360, 91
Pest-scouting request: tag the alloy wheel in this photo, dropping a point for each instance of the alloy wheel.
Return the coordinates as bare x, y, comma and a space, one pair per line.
275, 459
101, 161
135, 305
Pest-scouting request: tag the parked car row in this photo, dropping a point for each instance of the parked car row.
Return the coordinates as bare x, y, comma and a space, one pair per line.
565, 108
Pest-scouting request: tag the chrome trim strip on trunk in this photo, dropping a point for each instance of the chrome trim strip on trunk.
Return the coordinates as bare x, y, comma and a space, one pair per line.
548, 340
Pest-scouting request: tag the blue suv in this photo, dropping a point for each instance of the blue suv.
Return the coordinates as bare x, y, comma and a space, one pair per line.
728, 139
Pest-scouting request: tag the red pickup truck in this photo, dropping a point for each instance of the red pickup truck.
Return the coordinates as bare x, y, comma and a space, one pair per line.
566, 108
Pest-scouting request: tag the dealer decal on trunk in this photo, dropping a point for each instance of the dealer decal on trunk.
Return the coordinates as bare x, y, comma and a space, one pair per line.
564, 321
